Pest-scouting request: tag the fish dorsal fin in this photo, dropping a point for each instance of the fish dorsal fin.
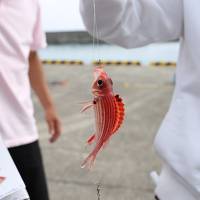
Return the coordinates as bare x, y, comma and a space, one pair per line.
120, 113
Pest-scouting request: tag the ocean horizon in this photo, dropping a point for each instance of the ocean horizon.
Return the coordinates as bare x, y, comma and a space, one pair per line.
89, 52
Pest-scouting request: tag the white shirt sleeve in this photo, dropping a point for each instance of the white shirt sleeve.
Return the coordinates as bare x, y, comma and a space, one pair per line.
39, 37
132, 23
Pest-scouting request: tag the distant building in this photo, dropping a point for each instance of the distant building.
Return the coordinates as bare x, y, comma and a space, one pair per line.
63, 23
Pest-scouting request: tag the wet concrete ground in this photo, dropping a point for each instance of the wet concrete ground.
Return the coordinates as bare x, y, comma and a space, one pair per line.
123, 168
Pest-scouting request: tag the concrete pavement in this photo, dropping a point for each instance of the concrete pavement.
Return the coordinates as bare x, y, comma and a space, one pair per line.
123, 168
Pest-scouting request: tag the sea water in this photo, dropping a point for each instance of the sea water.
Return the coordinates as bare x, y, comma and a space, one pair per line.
89, 52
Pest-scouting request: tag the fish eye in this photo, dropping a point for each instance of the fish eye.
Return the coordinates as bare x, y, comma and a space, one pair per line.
100, 83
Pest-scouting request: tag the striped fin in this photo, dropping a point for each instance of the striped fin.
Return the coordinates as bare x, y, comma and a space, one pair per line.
120, 113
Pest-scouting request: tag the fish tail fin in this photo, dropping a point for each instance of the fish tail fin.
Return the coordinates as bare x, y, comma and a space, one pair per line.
89, 161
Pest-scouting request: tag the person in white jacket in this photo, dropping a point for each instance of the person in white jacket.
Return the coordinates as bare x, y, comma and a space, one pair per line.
133, 23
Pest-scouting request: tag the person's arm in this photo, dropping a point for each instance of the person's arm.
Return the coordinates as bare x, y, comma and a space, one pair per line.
132, 23
39, 85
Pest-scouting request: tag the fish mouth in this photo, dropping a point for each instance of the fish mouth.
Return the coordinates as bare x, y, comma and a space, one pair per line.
101, 93
97, 92
99, 72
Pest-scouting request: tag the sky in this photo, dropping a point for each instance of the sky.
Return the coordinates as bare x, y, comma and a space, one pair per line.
61, 15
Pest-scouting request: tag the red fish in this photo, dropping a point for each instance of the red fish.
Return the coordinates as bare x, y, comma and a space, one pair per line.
109, 113
2, 179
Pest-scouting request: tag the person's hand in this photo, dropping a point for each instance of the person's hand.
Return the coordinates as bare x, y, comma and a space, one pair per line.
54, 124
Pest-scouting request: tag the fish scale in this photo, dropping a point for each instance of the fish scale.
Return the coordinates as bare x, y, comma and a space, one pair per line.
107, 121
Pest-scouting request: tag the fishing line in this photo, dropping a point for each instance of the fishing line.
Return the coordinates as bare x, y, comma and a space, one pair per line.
96, 40
96, 34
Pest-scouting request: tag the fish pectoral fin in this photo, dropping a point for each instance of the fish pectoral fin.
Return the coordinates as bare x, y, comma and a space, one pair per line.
86, 106
91, 139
